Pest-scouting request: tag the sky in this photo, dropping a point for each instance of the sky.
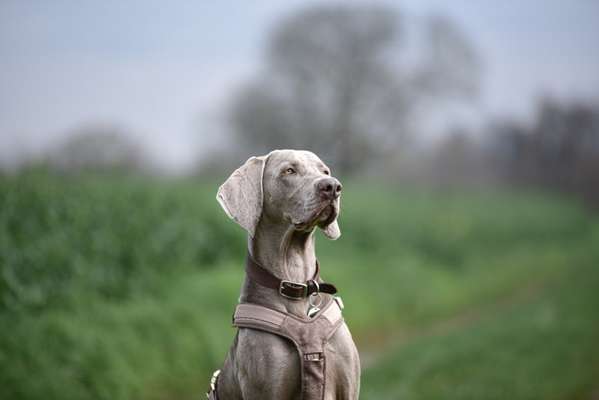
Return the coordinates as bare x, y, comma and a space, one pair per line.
163, 71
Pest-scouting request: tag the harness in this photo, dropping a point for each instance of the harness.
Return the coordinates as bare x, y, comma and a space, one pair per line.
309, 334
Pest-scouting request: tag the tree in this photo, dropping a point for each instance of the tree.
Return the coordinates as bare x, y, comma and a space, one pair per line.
97, 147
560, 151
337, 80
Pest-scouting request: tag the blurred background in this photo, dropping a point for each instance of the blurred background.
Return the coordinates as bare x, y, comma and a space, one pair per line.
466, 135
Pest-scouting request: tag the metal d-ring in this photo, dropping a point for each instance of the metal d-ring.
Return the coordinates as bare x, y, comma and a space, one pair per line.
316, 294
317, 286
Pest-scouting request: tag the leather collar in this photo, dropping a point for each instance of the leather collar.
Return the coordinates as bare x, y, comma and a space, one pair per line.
288, 289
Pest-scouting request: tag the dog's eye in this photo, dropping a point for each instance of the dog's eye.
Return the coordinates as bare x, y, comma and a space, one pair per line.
289, 171
327, 172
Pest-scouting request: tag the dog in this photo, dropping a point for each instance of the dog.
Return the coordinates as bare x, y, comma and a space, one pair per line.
280, 199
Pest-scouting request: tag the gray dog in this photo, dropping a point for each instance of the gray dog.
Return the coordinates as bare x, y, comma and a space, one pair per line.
279, 199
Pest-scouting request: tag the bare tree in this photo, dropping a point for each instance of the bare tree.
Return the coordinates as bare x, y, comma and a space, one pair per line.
337, 80
450, 64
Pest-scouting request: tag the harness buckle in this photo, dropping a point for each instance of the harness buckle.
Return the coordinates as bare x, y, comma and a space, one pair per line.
313, 357
290, 290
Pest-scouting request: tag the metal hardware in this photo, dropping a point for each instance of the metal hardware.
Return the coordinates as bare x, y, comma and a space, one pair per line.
313, 357
312, 296
293, 285
312, 311
314, 308
317, 285
213, 383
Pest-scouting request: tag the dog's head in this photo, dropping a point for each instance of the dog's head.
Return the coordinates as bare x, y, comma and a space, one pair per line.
290, 187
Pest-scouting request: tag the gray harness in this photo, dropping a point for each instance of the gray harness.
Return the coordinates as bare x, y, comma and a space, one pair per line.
309, 335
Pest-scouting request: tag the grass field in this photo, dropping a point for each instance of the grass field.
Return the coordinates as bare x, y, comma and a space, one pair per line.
122, 288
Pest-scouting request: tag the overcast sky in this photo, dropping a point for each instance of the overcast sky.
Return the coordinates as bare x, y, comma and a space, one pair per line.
162, 70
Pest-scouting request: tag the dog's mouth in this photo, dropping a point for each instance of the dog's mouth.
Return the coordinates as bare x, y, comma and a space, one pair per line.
326, 216
322, 217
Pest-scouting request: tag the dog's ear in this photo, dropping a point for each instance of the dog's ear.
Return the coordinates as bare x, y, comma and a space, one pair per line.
241, 194
332, 230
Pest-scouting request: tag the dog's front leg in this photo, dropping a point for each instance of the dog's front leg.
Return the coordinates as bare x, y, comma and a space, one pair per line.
268, 366
343, 367
227, 387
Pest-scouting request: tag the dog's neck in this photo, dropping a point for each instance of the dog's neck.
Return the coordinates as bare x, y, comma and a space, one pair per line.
286, 253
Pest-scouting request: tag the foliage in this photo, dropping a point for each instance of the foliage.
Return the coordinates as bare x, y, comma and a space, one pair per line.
122, 288
544, 348
559, 150
62, 236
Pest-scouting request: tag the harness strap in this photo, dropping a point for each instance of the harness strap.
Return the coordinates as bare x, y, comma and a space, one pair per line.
310, 337
291, 290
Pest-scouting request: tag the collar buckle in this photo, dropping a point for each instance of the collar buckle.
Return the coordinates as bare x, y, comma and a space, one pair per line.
293, 290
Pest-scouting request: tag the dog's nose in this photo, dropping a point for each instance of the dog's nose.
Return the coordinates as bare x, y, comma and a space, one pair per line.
329, 188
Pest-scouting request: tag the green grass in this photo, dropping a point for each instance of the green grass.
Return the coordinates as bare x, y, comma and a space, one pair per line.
123, 288
155, 346
543, 345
